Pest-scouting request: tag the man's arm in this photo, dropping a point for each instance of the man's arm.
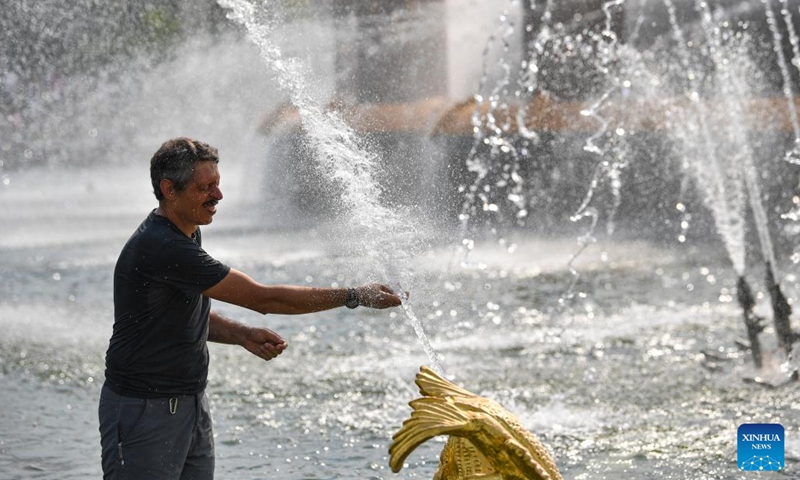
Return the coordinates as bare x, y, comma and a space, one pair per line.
261, 342
239, 289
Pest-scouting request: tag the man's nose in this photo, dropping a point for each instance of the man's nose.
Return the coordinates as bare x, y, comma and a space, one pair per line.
216, 193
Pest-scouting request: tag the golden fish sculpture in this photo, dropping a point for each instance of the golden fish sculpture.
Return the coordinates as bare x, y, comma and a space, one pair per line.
486, 441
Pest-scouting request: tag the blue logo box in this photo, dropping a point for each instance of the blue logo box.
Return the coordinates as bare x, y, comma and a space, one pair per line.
760, 447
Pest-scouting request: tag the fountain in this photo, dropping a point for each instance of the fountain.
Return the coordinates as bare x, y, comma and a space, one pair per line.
580, 197
717, 156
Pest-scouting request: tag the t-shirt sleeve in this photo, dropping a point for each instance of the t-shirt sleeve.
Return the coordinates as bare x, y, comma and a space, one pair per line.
187, 267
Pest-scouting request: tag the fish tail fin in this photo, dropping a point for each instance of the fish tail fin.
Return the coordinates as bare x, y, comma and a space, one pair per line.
430, 417
432, 384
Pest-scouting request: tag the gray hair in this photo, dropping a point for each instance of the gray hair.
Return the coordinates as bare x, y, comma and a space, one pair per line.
175, 161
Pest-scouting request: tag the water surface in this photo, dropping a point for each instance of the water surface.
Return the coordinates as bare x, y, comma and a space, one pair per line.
638, 377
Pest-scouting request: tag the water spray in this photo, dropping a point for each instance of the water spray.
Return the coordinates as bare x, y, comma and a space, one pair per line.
793, 155
413, 319
753, 323
781, 310
780, 306
340, 154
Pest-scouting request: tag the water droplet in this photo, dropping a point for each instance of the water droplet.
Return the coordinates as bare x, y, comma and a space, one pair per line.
793, 155
56, 276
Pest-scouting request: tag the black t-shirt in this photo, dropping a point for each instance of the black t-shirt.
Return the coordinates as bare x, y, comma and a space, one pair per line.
158, 346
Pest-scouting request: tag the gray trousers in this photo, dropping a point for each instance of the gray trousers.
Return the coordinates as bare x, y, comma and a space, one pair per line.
156, 439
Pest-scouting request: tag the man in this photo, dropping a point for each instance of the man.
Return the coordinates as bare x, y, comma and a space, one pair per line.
154, 415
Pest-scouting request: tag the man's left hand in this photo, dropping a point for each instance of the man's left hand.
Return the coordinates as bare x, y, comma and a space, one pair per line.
264, 343
376, 295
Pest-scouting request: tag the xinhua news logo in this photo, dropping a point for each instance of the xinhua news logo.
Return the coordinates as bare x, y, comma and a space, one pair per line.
760, 447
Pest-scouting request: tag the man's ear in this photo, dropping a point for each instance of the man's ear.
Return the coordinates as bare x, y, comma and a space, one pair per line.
167, 188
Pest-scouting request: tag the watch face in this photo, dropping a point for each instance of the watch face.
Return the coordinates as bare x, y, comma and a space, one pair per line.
351, 301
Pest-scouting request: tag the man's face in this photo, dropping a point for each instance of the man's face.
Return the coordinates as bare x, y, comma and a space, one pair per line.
196, 204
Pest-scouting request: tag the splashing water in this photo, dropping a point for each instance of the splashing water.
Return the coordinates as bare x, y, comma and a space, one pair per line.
716, 177
793, 154
343, 157
491, 128
743, 161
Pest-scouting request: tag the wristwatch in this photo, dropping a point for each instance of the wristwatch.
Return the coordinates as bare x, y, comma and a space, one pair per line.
351, 300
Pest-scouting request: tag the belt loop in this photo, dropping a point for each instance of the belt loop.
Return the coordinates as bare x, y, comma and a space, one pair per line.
173, 405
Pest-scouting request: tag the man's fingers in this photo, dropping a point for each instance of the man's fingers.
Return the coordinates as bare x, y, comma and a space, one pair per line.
272, 337
378, 295
394, 300
391, 291
274, 347
265, 343
268, 351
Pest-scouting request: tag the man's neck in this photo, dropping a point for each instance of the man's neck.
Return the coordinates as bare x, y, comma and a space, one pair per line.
187, 230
